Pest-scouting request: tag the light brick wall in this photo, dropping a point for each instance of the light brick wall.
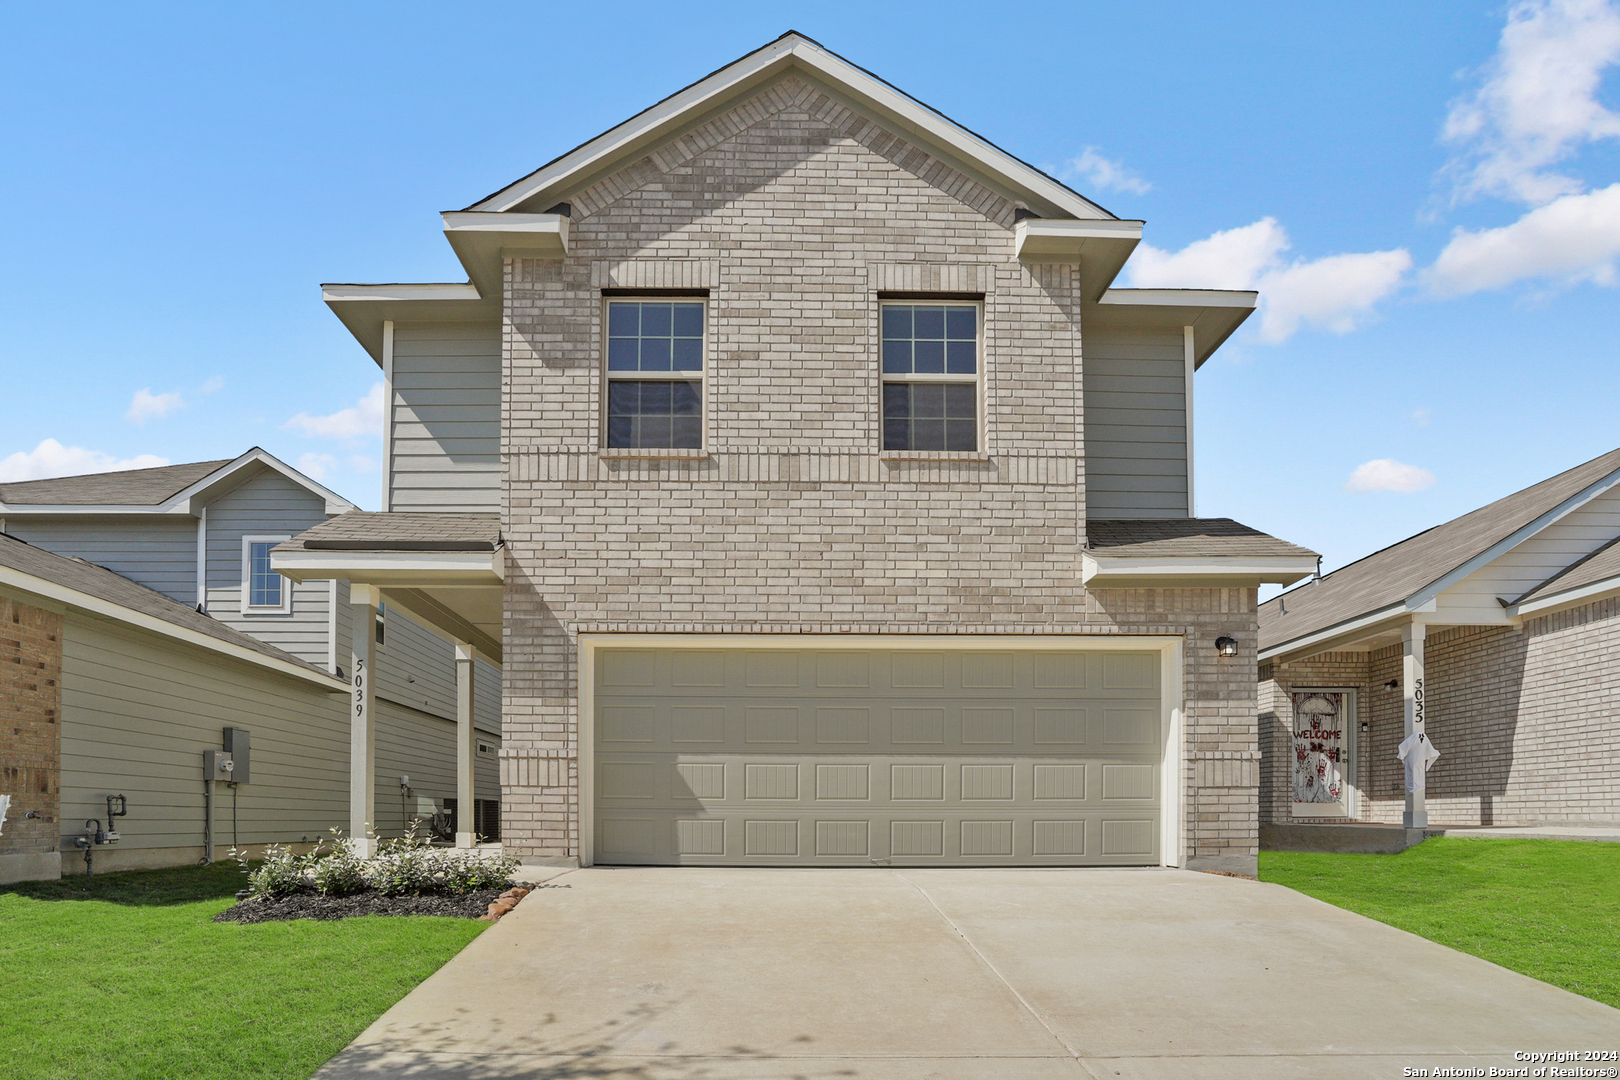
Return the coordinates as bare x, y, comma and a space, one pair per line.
795, 213
30, 725
1523, 717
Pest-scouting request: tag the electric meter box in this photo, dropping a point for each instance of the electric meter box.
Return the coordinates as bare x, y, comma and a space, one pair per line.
238, 747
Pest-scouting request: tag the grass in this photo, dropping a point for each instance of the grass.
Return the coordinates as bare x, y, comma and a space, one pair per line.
126, 976
1549, 909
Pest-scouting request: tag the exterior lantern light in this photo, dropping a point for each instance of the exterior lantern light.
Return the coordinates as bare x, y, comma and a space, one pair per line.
1226, 646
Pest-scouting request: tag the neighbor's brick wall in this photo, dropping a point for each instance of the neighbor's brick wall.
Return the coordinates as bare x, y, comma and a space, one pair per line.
1523, 717
30, 721
795, 213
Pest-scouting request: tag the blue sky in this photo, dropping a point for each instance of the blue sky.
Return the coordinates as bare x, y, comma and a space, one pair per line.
1422, 192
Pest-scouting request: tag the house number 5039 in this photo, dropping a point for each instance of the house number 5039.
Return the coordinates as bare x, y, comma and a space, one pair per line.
359, 688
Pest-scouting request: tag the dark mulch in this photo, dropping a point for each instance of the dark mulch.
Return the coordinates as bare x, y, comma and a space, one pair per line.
311, 906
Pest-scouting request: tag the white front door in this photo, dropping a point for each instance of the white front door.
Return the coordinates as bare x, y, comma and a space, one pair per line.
1324, 744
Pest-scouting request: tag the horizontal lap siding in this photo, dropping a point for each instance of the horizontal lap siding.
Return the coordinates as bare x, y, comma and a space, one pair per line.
137, 714
1136, 426
445, 453
423, 747
160, 553
267, 505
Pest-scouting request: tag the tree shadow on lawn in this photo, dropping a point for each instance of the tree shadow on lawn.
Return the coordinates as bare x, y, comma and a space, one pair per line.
141, 888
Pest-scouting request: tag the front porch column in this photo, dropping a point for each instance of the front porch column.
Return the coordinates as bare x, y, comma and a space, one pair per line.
1416, 815
466, 747
363, 600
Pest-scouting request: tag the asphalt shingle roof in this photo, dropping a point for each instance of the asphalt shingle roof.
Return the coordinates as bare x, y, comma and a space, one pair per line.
366, 530
132, 487
98, 581
1392, 575
1191, 537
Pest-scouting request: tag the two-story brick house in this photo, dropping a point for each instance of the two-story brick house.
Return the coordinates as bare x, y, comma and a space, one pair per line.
828, 503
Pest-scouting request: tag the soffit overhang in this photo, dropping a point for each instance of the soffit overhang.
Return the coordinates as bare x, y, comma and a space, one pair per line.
1214, 314
1103, 571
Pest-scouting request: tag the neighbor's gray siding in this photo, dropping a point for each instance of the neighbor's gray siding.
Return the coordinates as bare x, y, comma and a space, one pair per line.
158, 552
423, 747
1136, 424
267, 504
138, 711
446, 411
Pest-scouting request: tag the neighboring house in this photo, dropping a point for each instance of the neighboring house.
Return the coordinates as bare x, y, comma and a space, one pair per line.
1496, 634
199, 534
828, 503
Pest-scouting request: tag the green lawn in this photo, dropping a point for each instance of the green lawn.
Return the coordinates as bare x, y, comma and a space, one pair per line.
1549, 909
128, 977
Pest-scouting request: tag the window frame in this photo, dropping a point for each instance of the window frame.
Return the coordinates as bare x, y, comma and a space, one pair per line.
249, 608
976, 380
700, 377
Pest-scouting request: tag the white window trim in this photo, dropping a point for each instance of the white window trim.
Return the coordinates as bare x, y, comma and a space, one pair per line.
283, 608
977, 380
701, 377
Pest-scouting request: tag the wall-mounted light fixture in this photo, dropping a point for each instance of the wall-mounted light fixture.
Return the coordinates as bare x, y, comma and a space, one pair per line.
1226, 646
1393, 684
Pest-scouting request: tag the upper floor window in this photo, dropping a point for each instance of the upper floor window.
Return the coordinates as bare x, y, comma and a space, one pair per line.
930, 376
264, 591
655, 351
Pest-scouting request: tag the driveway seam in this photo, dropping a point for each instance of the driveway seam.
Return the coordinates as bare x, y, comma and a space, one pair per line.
985, 960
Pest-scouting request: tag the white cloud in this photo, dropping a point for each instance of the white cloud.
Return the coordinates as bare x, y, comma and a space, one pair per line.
213, 385
364, 463
1332, 293
146, 405
1421, 417
1574, 238
317, 466
1100, 172
1387, 474
1537, 103
51, 459
362, 420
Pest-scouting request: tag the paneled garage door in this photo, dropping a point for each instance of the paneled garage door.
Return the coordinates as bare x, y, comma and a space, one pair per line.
808, 757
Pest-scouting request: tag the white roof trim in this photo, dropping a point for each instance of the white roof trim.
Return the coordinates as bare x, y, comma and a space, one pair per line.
1349, 626
417, 569
400, 292
790, 50
1098, 569
483, 240
95, 605
1230, 298
1568, 598
1513, 540
180, 501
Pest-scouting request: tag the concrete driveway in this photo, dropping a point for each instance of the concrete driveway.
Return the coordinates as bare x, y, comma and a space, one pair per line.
667, 973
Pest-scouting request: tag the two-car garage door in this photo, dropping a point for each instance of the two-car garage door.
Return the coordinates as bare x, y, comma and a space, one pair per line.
905, 757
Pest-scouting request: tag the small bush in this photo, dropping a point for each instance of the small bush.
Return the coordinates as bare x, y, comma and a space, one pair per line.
407, 866
342, 873
282, 873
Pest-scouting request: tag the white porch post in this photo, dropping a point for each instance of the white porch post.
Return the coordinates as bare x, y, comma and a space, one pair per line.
363, 600
1417, 813
465, 746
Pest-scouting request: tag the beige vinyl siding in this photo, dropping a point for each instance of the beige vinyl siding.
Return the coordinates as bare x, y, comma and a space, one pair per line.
487, 697
445, 451
266, 504
138, 711
1135, 424
158, 552
423, 747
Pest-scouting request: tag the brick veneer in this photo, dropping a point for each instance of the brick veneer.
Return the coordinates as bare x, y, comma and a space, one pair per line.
795, 213
30, 715
1523, 717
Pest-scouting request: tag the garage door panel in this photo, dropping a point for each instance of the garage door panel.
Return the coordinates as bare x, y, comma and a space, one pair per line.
862, 757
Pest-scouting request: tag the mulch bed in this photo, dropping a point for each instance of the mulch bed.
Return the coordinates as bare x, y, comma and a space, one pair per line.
311, 906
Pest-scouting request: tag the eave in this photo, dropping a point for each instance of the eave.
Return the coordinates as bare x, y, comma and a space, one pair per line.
1214, 314
1099, 247
482, 241
363, 309
1103, 571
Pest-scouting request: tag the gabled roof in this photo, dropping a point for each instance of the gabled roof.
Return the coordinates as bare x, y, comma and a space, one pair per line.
1412, 571
133, 487
87, 586
1599, 569
166, 490
580, 166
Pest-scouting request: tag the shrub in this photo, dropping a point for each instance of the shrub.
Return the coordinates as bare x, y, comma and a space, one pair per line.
342, 873
407, 866
282, 873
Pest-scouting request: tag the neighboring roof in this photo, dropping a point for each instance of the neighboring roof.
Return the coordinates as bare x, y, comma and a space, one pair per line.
1400, 572
918, 123
365, 530
166, 490
1195, 537
131, 487
87, 585
1602, 565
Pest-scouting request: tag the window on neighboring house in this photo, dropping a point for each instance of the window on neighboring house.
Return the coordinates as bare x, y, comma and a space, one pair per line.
264, 592
382, 626
930, 376
655, 351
